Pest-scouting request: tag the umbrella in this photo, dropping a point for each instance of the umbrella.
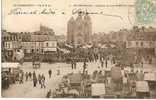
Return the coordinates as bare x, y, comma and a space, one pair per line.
116, 73
19, 55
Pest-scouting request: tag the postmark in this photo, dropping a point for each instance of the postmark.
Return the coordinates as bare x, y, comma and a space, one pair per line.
145, 11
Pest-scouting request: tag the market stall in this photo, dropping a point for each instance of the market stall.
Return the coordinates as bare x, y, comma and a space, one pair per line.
75, 79
10, 72
142, 89
151, 79
98, 90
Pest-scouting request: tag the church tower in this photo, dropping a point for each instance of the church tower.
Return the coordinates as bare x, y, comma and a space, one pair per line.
71, 30
79, 28
87, 28
79, 31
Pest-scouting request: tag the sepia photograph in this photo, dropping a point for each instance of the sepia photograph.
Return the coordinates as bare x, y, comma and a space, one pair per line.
78, 49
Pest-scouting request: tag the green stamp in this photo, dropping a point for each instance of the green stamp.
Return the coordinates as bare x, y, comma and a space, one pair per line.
145, 11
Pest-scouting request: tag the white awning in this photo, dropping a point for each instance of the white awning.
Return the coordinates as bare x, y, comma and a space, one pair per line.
69, 46
64, 50
87, 46
50, 49
10, 65
104, 46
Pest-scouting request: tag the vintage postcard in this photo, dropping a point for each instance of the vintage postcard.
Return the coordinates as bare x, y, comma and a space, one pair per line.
78, 49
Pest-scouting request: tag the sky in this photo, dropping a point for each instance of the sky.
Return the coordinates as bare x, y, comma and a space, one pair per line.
113, 18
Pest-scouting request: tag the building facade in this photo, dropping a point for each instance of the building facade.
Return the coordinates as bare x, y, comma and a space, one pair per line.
142, 43
10, 43
38, 42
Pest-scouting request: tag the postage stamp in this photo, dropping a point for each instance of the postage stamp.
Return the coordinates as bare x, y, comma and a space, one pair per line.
145, 11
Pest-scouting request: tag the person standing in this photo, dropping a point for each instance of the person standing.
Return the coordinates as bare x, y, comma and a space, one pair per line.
58, 71
34, 79
106, 62
30, 75
84, 67
74, 64
102, 63
26, 76
141, 75
133, 86
39, 79
142, 64
125, 81
49, 94
20, 78
43, 81
50, 73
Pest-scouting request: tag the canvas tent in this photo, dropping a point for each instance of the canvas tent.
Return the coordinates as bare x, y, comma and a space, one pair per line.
116, 73
98, 89
75, 78
142, 86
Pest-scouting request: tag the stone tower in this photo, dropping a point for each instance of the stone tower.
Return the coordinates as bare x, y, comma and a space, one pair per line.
71, 30
79, 31
87, 28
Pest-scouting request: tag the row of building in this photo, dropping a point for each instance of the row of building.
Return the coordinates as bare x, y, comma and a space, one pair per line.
134, 38
41, 42
142, 38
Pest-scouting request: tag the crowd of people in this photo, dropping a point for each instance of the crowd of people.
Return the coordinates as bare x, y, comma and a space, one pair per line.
127, 79
126, 84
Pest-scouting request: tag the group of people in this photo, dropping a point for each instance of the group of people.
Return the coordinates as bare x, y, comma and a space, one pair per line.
28, 76
40, 79
36, 78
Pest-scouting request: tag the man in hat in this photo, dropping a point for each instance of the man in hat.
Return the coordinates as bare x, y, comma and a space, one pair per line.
50, 73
